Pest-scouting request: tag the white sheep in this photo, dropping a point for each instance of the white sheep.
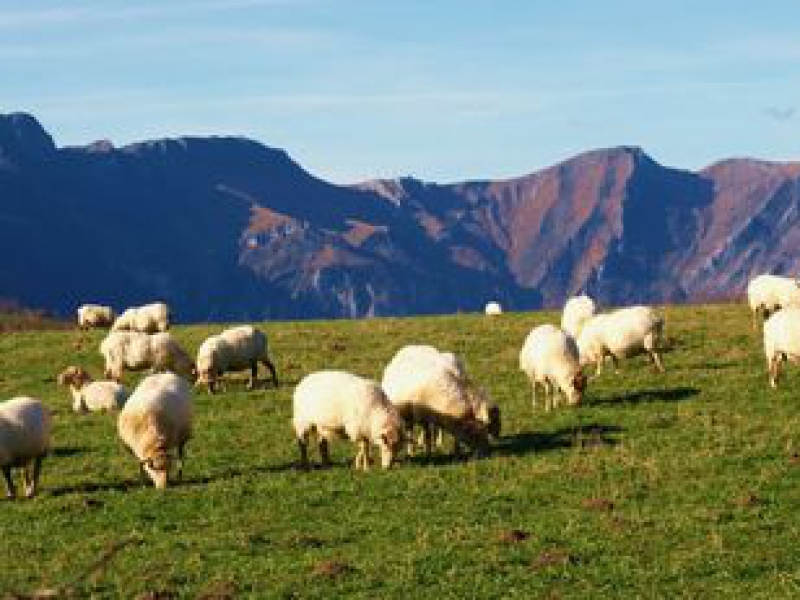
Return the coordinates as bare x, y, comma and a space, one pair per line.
577, 311
89, 395
134, 351
331, 403
95, 315
781, 341
484, 408
493, 308
550, 358
156, 420
234, 349
433, 392
24, 441
768, 293
150, 318
623, 333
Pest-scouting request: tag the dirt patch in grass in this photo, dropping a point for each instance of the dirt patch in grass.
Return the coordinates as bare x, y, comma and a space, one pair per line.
222, 590
598, 504
747, 500
157, 595
554, 557
512, 536
332, 569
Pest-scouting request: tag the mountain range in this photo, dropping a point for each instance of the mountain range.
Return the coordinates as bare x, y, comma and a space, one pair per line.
225, 228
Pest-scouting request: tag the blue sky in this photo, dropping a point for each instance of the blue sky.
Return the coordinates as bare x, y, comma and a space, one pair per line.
444, 90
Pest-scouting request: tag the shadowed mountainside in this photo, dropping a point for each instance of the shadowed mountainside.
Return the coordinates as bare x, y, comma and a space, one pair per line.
225, 228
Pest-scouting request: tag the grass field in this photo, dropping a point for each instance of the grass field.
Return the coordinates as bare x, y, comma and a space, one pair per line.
660, 486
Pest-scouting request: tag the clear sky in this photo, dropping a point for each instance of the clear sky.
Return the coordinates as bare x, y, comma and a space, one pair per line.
443, 90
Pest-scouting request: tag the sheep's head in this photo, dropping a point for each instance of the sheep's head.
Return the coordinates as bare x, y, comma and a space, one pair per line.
74, 376
391, 441
579, 383
156, 464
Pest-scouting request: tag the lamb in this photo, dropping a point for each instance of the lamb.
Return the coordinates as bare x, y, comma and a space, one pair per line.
138, 351
95, 315
432, 391
623, 333
577, 311
550, 358
332, 403
769, 293
89, 395
234, 349
150, 318
781, 341
155, 420
24, 441
493, 309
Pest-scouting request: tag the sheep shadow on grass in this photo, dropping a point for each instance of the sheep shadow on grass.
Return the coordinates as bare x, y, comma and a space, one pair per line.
677, 394
586, 434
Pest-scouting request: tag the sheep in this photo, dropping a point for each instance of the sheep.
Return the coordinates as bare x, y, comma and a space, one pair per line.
234, 349
622, 333
89, 395
577, 311
781, 341
332, 403
550, 358
769, 293
138, 351
155, 420
95, 315
484, 409
24, 441
431, 392
493, 309
150, 318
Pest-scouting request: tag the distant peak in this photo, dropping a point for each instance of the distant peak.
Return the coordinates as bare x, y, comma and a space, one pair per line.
23, 139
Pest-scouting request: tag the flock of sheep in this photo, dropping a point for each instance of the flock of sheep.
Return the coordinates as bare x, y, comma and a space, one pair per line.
421, 386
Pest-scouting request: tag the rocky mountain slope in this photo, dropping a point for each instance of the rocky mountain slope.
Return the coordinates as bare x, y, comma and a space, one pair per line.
227, 229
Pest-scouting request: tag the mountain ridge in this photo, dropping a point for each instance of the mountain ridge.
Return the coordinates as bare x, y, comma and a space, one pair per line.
227, 228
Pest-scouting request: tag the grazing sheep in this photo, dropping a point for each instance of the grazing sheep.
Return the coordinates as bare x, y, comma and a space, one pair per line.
24, 441
150, 318
95, 315
432, 391
484, 408
136, 351
550, 358
89, 395
334, 403
620, 334
577, 311
155, 420
493, 309
781, 341
234, 349
768, 293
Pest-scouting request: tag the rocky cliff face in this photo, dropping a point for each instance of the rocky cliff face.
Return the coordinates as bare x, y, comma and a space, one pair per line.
226, 228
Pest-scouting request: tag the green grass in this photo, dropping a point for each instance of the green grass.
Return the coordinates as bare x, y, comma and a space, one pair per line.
660, 486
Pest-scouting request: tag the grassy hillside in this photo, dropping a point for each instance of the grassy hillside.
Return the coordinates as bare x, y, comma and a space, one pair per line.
681, 485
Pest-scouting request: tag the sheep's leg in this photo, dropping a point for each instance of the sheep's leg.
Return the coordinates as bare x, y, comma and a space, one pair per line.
615, 362
362, 457
251, 384
427, 432
440, 438
548, 395
775, 370
302, 444
656, 359
179, 475
271, 368
324, 452
421, 438
11, 491
32, 478
533, 395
